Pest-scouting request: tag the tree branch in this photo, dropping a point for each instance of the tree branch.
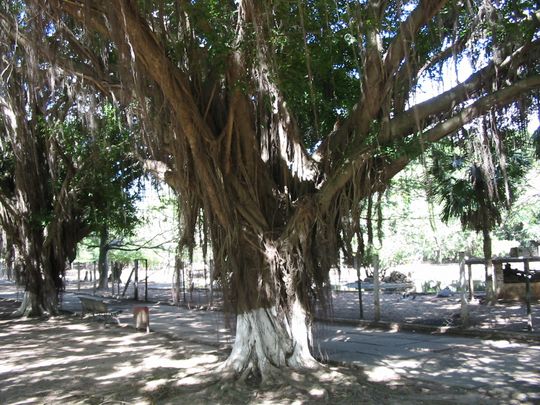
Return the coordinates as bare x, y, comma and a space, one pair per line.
357, 159
406, 123
480, 107
378, 78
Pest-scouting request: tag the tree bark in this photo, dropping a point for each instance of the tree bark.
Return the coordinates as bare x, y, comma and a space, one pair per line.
40, 281
103, 263
267, 340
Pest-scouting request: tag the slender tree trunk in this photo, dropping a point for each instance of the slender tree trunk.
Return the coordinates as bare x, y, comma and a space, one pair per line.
9, 257
103, 263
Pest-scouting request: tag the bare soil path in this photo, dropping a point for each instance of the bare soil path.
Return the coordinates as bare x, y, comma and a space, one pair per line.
69, 360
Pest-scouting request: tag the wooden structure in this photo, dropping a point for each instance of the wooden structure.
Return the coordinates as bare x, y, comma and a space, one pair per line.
508, 291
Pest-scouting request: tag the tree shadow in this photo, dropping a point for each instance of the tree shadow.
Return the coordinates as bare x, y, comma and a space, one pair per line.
73, 360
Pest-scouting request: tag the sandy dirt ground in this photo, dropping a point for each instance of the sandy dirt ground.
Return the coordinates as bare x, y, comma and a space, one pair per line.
67, 360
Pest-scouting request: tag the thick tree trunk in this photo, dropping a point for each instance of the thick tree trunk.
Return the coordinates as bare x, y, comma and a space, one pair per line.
42, 256
273, 324
41, 295
103, 264
268, 340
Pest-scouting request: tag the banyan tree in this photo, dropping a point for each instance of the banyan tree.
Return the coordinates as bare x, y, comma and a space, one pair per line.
275, 121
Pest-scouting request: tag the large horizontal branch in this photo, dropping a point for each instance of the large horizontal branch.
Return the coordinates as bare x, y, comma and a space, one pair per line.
151, 57
407, 123
480, 107
356, 159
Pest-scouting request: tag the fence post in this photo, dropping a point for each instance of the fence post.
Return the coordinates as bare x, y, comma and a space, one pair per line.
145, 280
376, 289
359, 286
94, 286
528, 294
78, 277
211, 276
136, 281
182, 269
176, 282
471, 283
463, 288
190, 281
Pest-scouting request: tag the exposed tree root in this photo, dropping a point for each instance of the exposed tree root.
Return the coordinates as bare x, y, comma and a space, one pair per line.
267, 348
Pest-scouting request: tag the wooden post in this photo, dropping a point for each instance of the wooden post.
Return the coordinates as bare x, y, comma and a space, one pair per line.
470, 281
118, 277
498, 278
136, 281
127, 282
183, 281
211, 276
359, 285
78, 277
145, 280
528, 294
376, 289
463, 287
112, 275
205, 274
176, 282
190, 281
95, 286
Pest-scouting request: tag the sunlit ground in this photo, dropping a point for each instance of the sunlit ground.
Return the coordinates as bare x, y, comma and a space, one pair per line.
60, 359
66, 360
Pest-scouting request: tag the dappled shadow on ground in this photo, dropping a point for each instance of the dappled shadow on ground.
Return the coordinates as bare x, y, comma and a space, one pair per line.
59, 360
498, 368
506, 372
210, 327
7, 307
69, 360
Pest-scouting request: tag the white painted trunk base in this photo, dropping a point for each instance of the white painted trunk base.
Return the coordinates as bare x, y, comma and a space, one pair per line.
266, 342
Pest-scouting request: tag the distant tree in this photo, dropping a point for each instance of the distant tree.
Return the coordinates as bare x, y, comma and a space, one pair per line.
475, 177
523, 220
115, 187
38, 205
61, 177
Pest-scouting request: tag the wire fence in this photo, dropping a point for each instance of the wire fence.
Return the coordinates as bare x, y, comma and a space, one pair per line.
193, 287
